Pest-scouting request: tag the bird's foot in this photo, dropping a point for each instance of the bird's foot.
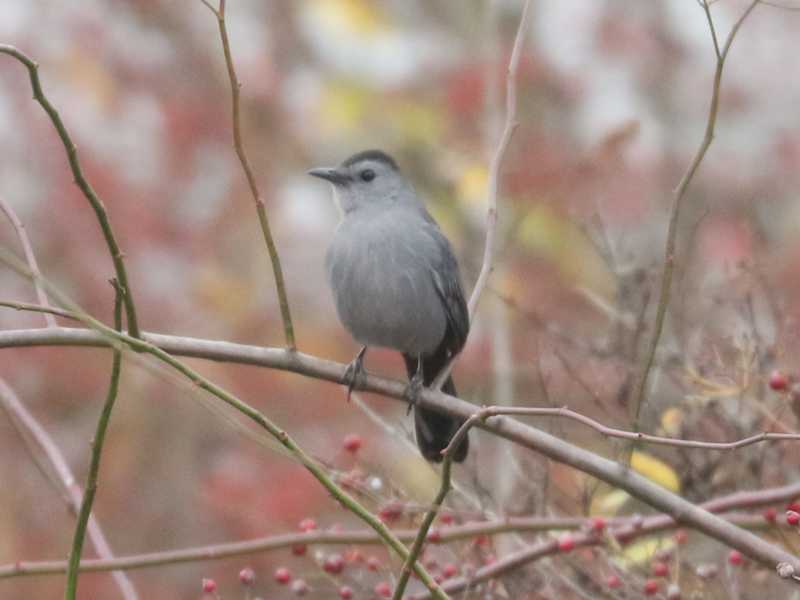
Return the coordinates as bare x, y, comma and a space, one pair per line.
355, 374
413, 390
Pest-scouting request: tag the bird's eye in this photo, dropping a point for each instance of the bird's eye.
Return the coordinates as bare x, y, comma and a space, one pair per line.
367, 175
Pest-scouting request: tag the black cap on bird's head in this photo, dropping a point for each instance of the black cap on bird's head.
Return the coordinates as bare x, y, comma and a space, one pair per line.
358, 166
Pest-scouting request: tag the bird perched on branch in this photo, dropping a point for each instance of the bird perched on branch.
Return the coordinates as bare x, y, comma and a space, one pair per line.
396, 284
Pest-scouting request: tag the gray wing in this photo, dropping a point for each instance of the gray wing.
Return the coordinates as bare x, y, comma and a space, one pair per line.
447, 281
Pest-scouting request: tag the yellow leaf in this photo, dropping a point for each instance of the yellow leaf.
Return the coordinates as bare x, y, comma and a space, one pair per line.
351, 17
671, 421
472, 184
554, 236
642, 551
344, 105
611, 503
655, 470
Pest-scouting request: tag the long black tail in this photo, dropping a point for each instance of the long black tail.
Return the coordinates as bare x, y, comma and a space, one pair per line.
435, 430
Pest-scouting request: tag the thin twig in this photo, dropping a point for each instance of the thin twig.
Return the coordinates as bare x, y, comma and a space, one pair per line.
37, 308
640, 390
430, 514
29, 256
738, 501
494, 179
238, 144
97, 449
81, 182
57, 471
114, 337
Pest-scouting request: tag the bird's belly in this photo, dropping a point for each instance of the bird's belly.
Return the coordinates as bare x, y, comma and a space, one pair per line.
386, 302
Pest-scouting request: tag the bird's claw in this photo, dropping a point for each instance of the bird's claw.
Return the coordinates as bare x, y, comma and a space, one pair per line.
354, 374
413, 390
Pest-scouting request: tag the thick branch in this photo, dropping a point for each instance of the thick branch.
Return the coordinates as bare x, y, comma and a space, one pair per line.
554, 448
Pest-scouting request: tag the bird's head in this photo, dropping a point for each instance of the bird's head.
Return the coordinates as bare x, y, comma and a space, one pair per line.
369, 178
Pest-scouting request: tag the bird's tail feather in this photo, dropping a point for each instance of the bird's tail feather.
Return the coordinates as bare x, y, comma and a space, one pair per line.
435, 430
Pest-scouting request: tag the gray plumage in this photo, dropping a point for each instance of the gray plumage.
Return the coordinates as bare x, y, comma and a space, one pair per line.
395, 281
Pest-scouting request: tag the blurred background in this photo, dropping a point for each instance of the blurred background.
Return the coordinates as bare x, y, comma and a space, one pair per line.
613, 101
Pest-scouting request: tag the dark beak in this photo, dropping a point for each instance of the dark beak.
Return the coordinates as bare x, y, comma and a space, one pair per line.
332, 175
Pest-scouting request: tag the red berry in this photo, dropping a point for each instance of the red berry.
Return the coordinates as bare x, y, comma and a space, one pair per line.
650, 587
770, 514
680, 536
352, 442
792, 518
209, 586
735, 558
446, 518
299, 587
299, 549
449, 570
598, 524
390, 512
307, 524
383, 589
795, 506
345, 592
778, 381
282, 575
660, 569
566, 543
373, 564
434, 536
614, 582
334, 564
247, 576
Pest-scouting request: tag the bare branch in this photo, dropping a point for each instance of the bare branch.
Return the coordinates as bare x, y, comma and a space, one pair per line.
238, 144
494, 180
30, 257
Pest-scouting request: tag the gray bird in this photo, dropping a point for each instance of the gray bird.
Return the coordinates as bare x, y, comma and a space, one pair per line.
396, 284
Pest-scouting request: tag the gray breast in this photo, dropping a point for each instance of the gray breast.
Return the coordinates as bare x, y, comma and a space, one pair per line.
379, 269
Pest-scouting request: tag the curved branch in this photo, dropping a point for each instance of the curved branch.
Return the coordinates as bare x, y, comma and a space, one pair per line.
640, 391
615, 474
238, 145
81, 182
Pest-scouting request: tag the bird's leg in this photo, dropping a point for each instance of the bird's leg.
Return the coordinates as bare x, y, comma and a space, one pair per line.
354, 374
415, 385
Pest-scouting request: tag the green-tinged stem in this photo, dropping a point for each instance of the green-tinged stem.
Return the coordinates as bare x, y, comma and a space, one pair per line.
97, 449
238, 145
82, 183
